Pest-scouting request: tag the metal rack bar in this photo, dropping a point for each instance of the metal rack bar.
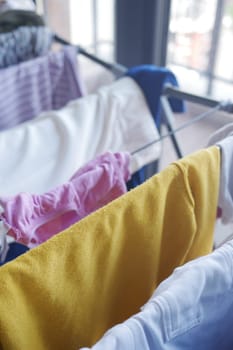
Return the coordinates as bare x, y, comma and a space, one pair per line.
115, 68
170, 91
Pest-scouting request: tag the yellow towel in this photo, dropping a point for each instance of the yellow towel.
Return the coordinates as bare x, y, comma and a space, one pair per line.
65, 293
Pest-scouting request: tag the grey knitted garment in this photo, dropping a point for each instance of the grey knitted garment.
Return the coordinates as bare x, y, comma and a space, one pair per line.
24, 43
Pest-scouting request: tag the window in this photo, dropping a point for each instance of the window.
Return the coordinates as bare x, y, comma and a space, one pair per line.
89, 23
199, 46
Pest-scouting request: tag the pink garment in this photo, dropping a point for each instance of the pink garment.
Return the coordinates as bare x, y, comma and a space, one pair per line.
32, 219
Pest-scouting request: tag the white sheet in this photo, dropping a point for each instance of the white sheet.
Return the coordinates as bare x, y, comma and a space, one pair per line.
40, 154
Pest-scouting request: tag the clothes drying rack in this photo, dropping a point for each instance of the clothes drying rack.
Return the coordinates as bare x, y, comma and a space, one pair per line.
168, 118
117, 69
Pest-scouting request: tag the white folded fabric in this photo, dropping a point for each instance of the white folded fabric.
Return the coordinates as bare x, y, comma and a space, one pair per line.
223, 137
192, 309
45, 152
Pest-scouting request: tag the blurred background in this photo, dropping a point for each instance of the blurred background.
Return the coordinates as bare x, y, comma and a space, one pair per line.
192, 38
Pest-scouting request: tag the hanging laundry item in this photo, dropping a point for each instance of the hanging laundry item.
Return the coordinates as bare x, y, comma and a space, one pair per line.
152, 80
14, 249
48, 150
24, 43
32, 219
192, 309
23, 34
13, 19
26, 5
224, 139
101, 270
42, 84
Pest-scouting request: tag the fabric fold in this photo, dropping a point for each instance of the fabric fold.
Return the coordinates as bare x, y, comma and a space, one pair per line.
152, 79
32, 219
47, 150
41, 84
182, 313
67, 292
23, 44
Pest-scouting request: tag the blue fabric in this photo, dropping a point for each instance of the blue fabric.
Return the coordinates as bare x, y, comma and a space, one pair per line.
15, 249
152, 80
